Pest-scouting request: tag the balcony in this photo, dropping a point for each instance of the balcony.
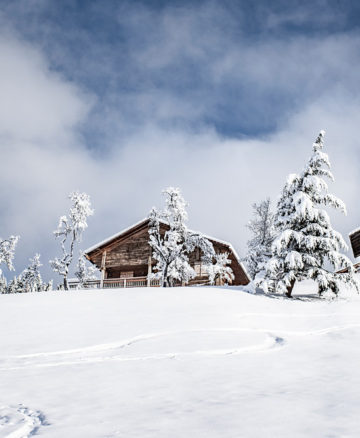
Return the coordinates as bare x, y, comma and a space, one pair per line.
115, 283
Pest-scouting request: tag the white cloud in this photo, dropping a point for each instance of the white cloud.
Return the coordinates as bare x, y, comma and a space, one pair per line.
37, 104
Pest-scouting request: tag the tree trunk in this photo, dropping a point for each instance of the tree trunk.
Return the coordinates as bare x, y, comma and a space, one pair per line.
165, 278
66, 284
290, 288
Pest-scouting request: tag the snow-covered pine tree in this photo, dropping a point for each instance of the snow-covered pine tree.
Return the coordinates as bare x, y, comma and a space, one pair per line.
85, 273
171, 249
15, 286
220, 270
259, 246
7, 252
31, 278
28, 281
70, 231
307, 245
11, 287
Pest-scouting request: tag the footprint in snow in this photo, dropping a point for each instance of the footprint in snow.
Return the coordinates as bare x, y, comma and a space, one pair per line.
19, 421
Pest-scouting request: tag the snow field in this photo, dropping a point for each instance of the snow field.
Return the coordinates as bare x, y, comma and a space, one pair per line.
202, 362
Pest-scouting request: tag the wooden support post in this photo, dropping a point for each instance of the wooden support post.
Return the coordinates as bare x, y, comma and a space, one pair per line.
103, 270
148, 283
102, 278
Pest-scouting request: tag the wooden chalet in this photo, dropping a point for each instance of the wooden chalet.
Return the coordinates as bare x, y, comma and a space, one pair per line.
125, 259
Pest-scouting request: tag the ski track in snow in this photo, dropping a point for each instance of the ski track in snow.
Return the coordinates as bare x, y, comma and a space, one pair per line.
115, 351
294, 315
112, 351
19, 421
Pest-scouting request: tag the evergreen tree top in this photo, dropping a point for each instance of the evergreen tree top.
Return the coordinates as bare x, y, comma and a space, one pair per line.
319, 142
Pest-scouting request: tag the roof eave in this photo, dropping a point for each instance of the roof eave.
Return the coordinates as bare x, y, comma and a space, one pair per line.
115, 236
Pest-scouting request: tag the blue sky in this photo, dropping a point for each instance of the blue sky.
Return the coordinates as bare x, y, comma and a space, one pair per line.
121, 99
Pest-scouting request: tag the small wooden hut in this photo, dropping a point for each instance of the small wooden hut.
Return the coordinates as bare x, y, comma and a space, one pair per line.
125, 259
354, 237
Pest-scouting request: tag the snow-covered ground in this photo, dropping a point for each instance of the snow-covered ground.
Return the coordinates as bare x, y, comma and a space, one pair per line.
182, 362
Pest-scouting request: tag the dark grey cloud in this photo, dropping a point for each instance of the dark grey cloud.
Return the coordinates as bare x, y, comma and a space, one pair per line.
242, 67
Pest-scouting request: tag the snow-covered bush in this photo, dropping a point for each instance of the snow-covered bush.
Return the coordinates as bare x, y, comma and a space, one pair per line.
3, 284
31, 277
70, 230
220, 270
29, 280
306, 244
14, 286
259, 246
47, 286
85, 273
171, 249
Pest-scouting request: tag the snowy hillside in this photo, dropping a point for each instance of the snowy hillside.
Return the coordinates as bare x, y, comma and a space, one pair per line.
182, 362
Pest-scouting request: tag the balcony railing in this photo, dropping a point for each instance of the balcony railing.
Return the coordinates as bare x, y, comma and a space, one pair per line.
115, 283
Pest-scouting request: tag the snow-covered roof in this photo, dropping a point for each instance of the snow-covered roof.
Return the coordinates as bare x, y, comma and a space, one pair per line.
357, 230
114, 236
143, 221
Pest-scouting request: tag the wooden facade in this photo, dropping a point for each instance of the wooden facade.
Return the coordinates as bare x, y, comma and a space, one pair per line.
355, 242
127, 257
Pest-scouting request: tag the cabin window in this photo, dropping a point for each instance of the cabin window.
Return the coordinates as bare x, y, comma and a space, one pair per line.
113, 273
197, 268
126, 274
197, 254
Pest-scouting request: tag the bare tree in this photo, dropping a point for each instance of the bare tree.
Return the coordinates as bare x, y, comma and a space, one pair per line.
70, 231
